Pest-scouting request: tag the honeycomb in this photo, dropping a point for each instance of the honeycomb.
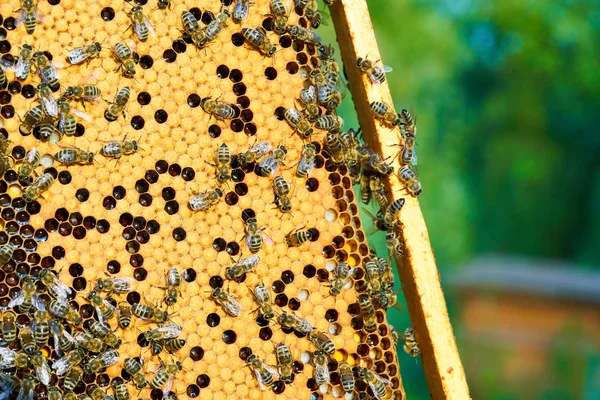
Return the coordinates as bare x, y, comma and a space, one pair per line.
129, 217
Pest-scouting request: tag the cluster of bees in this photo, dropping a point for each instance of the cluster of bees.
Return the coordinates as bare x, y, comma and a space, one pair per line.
85, 349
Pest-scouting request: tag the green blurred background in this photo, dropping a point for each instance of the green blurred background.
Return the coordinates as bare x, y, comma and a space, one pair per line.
507, 95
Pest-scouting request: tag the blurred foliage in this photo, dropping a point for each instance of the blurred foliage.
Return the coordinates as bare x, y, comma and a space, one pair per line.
506, 94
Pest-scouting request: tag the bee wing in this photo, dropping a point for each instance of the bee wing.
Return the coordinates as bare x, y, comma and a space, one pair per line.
387, 68
306, 165
81, 114
25, 395
7, 358
149, 26
61, 289
109, 358
17, 301
122, 284
11, 66
373, 77
43, 372
413, 159
260, 149
268, 241
168, 386
100, 316
272, 370
62, 365
325, 18
171, 331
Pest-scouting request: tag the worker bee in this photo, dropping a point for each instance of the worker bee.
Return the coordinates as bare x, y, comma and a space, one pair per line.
120, 389
9, 358
82, 93
104, 309
255, 236
241, 267
372, 161
40, 327
62, 309
8, 384
27, 340
164, 4
89, 342
97, 394
270, 164
66, 123
6, 163
124, 56
23, 65
164, 376
410, 179
258, 38
46, 129
319, 361
141, 26
116, 149
39, 185
29, 15
124, 314
223, 165
281, 188
346, 377
68, 361
42, 370
8, 327
264, 373
49, 279
390, 213
254, 153
296, 237
280, 16
329, 96
215, 27
410, 343
54, 393
322, 341
313, 15
103, 331
6, 253
306, 35
367, 312
47, 70
174, 344
375, 382
118, 105
307, 162
330, 123
31, 118
27, 296
205, 200
334, 147
375, 73
221, 110
104, 360
372, 275
292, 321
72, 379
378, 191
341, 272
298, 122
230, 305
83, 53
285, 361
27, 390
72, 155
168, 331
409, 124
148, 313
63, 341
191, 28
173, 286
263, 299
409, 152
386, 113
308, 98
46, 98
240, 11
30, 162
134, 368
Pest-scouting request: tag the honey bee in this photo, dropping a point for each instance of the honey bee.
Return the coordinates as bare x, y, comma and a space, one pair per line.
378, 191
205, 200
124, 56
164, 4
54, 393
409, 152
41, 328
63, 341
240, 11
230, 305
346, 377
66, 123
292, 321
116, 149
174, 344
70, 360
410, 343
264, 373
46, 98
391, 211
307, 162
386, 113
285, 361
341, 272
173, 286
89, 342
373, 275
319, 361
6, 253
31, 118
104, 360
141, 26
47, 70
42, 370
30, 162
6, 163
83, 53
313, 15
329, 96
61, 309
367, 311
306, 35
97, 394
374, 72
148, 313
8, 327
298, 122
102, 331
9, 358
124, 315
254, 153
375, 382
223, 158
82, 93
27, 296
120, 389
27, 390
72, 378
49, 279
269, 165
372, 161
296, 237
191, 28
118, 105
8, 384
168, 331
258, 38
215, 27
241, 267
23, 66
39, 185
134, 368
322, 341
263, 299
221, 110
308, 98
280, 16
409, 124
27, 340
72, 156
104, 309
29, 15
330, 123
334, 147
410, 179
164, 376
255, 236
281, 188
